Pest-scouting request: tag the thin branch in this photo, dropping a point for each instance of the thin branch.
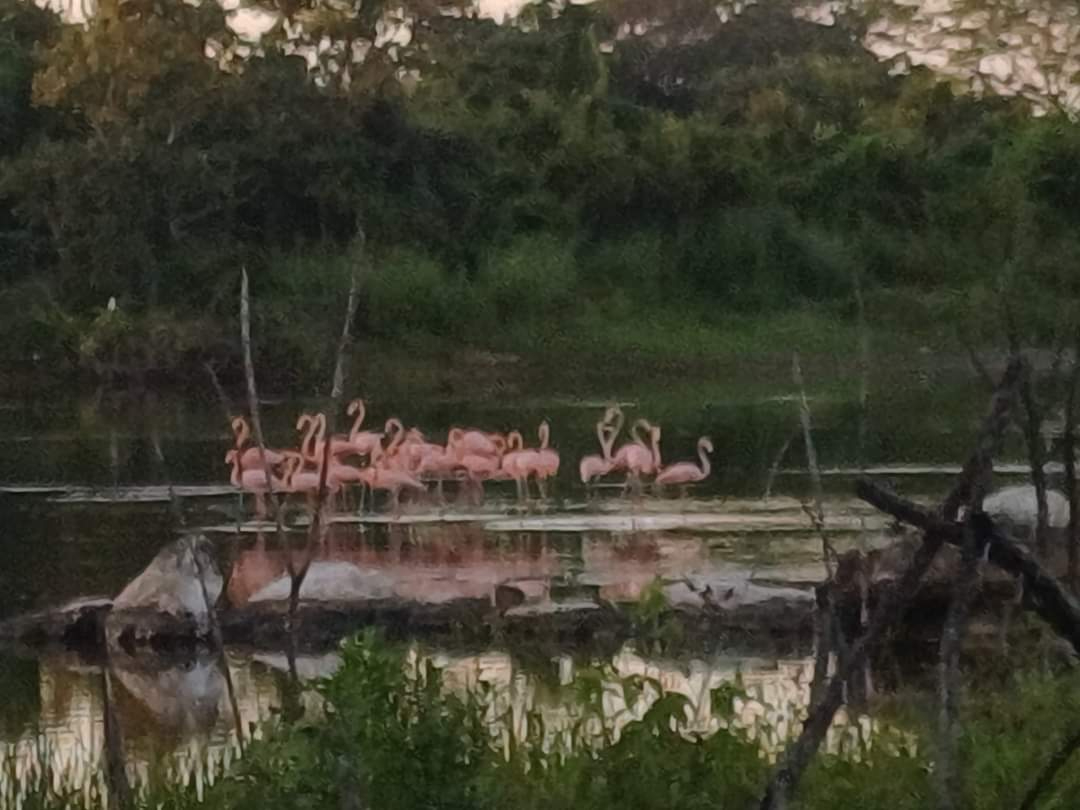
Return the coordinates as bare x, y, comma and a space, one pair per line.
211, 607
120, 794
315, 529
950, 789
253, 402
979, 464
818, 515
890, 607
778, 460
1046, 776
1033, 437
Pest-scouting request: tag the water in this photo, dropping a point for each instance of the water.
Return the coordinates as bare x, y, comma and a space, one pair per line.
84, 508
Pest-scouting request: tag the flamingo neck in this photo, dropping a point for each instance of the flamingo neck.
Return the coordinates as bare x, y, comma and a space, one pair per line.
706, 467
361, 412
234, 479
656, 447
241, 431
544, 435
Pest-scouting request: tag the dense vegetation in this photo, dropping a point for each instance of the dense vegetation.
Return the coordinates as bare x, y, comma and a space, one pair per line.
531, 185
390, 741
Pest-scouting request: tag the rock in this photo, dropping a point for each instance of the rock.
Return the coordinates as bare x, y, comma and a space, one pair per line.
975, 21
998, 65
170, 583
933, 59
730, 594
183, 698
167, 600
1017, 507
78, 625
330, 582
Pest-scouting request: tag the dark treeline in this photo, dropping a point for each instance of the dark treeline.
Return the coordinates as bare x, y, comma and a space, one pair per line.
530, 181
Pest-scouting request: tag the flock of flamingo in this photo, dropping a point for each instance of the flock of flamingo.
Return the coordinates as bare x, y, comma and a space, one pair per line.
397, 459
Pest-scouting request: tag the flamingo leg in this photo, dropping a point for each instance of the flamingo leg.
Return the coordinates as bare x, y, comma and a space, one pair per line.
542, 488
395, 500
260, 506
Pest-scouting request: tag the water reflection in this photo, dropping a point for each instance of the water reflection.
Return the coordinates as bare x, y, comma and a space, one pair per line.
435, 562
176, 724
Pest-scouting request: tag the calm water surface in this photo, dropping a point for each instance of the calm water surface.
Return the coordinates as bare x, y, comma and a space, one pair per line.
82, 535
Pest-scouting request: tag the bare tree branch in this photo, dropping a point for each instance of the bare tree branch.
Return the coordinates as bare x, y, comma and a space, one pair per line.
316, 528
890, 607
778, 460
1043, 593
817, 516
979, 464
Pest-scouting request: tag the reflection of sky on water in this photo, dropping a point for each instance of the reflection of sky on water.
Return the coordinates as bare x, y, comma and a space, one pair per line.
178, 723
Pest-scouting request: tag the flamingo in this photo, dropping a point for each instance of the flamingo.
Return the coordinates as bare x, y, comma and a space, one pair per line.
594, 466
391, 480
636, 457
512, 464
363, 441
253, 480
543, 462
476, 441
686, 472
252, 457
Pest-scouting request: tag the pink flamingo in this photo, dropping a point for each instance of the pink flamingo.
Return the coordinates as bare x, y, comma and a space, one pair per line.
390, 480
513, 466
253, 480
363, 441
594, 466
686, 472
543, 463
313, 442
251, 457
476, 441
636, 457
307, 481
438, 462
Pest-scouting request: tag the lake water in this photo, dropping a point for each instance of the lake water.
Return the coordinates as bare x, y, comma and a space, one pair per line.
84, 509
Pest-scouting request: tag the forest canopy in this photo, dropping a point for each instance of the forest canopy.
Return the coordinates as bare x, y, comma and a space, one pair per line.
504, 176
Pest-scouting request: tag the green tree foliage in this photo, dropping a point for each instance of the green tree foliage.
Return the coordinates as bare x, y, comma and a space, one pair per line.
757, 163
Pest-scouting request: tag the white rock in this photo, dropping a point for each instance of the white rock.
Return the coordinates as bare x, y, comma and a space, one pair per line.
170, 583
943, 22
957, 42
975, 21
330, 582
932, 59
936, 6
884, 49
998, 65
1017, 504
1038, 18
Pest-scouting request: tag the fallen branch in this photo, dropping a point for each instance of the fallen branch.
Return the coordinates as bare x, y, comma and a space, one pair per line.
1042, 590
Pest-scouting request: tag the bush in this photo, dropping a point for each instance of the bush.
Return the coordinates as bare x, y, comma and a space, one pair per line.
535, 276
